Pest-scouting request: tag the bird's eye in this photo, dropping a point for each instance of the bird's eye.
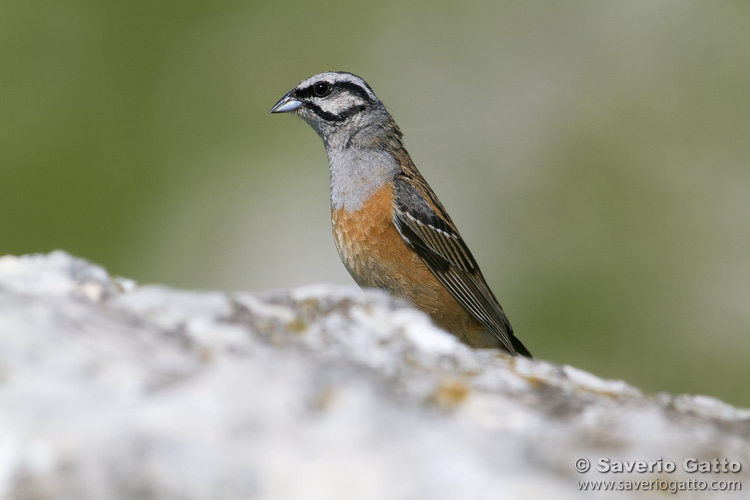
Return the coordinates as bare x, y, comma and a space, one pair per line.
322, 89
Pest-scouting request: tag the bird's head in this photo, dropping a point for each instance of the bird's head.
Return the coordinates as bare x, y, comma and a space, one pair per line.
331, 102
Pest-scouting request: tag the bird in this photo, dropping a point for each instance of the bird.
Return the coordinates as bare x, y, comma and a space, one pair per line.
389, 227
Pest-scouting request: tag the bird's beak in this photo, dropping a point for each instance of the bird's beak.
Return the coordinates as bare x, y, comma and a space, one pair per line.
286, 104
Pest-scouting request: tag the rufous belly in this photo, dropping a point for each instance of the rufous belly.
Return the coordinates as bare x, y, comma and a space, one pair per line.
376, 256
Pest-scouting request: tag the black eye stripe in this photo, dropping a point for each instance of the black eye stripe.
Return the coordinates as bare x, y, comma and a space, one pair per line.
355, 89
309, 91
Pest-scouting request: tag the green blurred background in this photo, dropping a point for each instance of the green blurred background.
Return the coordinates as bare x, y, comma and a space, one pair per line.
595, 155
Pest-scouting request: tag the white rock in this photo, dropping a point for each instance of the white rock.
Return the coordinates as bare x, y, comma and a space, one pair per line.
113, 391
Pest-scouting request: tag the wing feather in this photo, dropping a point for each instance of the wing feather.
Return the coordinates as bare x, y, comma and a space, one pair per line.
426, 227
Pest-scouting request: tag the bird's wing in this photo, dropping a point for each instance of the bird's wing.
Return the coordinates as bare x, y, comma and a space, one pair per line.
426, 227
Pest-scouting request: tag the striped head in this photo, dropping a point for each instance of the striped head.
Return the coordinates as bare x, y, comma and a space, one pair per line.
331, 102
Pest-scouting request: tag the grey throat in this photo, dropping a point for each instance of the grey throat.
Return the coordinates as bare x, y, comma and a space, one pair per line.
356, 174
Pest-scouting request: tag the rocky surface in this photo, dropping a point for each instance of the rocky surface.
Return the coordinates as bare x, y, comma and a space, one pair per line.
112, 390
